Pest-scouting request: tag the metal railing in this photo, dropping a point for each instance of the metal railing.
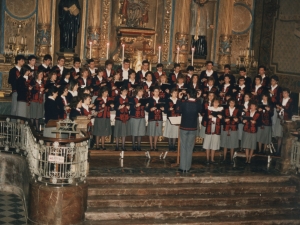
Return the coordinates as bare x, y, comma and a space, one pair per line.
50, 160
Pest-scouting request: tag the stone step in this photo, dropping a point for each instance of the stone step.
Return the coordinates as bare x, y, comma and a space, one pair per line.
166, 213
266, 220
191, 200
188, 189
186, 179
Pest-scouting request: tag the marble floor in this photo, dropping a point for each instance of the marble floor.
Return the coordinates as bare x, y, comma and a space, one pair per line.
11, 209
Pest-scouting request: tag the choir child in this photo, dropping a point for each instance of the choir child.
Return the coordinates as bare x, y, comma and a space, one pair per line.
190, 72
108, 72
92, 70
124, 71
14, 74
194, 84
240, 89
37, 100
209, 87
229, 133
248, 81
204, 75
62, 103
122, 127
98, 82
102, 126
22, 89
87, 110
171, 131
31, 63
265, 80
213, 130
189, 110
75, 70
75, 105
114, 90
132, 83
249, 137
51, 82
85, 80
264, 132
244, 108
65, 79
45, 66
137, 119
166, 92
148, 84
257, 89
206, 103
276, 98
50, 107
59, 68
141, 75
226, 88
159, 71
73, 90
227, 69
180, 84
174, 75
155, 117
284, 112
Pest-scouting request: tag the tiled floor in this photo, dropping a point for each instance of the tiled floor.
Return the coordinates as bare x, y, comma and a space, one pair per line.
11, 209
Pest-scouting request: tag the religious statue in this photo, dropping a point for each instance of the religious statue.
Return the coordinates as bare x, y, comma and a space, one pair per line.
134, 13
69, 23
200, 24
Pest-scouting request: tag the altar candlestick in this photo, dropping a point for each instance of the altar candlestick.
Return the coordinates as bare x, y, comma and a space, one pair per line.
90, 49
107, 50
177, 58
123, 52
193, 51
159, 52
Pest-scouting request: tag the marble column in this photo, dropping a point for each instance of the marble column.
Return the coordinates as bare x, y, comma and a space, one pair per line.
225, 20
43, 40
182, 28
93, 30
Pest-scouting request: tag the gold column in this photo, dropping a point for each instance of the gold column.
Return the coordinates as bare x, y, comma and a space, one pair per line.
94, 30
182, 28
43, 42
225, 19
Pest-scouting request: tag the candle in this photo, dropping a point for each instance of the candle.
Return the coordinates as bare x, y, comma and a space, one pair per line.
123, 52
107, 50
90, 49
159, 52
177, 58
193, 51
25, 40
22, 40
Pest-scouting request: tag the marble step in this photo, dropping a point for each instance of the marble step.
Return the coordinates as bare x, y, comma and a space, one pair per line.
166, 213
191, 179
265, 220
188, 189
191, 200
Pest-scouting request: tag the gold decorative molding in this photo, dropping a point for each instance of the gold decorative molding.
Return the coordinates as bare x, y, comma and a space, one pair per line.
94, 38
105, 28
182, 42
166, 36
224, 51
21, 8
43, 40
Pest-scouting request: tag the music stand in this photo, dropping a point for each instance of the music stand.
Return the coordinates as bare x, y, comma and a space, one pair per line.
176, 120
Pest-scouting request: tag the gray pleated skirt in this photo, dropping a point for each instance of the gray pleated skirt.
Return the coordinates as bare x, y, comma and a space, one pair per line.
22, 109
240, 130
202, 132
249, 140
211, 142
277, 129
231, 141
122, 129
102, 127
154, 128
36, 110
170, 131
137, 126
264, 135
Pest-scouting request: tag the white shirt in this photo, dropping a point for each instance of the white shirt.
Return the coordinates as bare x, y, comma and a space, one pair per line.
194, 85
144, 73
84, 81
225, 86
26, 77
231, 111
159, 73
86, 107
74, 93
209, 87
44, 66
148, 83
176, 75
19, 68
93, 71
50, 97
39, 82
242, 87
180, 85
125, 74
174, 100
209, 73
285, 101
108, 72
31, 67
246, 105
64, 98
252, 113
77, 70
67, 80
156, 99
124, 97
132, 81
61, 68
274, 87
257, 87
100, 78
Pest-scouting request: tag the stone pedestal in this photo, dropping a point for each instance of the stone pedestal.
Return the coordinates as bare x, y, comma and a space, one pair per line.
57, 205
284, 163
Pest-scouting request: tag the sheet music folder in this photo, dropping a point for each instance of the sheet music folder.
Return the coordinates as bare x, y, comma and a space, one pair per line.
175, 120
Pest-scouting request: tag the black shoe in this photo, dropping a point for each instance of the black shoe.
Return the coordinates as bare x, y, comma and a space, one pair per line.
134, 149
117, 149
151, 149
139, 149
214, 162
207, 162
180, 170
98, 148
156, 149
123, 149
103, 148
